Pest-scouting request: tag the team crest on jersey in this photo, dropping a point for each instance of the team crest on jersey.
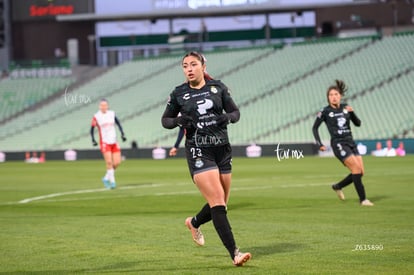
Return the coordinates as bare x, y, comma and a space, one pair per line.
199, 163
213, 89
345, 111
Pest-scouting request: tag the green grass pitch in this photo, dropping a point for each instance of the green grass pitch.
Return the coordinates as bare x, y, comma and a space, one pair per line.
56, 218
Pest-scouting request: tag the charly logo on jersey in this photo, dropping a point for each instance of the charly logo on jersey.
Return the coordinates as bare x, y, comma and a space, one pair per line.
214, 90
186, 96
199, 163
331, 114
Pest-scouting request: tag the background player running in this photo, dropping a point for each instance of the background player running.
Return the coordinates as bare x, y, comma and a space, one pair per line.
201, 102
337, 118
105, 120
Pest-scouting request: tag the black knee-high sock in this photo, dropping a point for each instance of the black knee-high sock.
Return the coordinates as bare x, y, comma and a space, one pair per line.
356, 178
345, 182
222, 225
202, 217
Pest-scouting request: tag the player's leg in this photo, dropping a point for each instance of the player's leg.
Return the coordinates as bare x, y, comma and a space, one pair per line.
208, 182
107, 155
342, 151
225, 166
204, 215
354, 164
361, 164
225, 180
210, 186
116, 160
343, 183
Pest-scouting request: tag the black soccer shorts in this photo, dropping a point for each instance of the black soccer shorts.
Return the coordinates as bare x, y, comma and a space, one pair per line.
201, 159
343, 149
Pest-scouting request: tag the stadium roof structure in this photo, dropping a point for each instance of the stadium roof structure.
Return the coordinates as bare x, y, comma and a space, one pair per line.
204, 12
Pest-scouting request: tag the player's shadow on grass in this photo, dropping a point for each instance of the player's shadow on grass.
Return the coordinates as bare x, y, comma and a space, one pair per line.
275, 248
378, 198
234, 206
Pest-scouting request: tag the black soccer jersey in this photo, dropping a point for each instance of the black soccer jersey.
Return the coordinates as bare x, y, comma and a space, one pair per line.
337, 121
204, 106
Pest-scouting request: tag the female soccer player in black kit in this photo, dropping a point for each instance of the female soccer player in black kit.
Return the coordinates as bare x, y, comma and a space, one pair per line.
201, 102
337, 117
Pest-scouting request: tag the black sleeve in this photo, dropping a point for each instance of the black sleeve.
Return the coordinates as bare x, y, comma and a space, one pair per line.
230, 107
315, 131
355, 119
169, 118
179, 138
119, 125
232, 111
92, 133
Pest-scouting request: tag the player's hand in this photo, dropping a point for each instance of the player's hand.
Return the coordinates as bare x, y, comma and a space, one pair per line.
94, 143
173, 152
223, 120
322, 148
184, 121
349, 108
123, 138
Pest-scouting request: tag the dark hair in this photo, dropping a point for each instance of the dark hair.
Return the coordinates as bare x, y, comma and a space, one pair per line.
201, 58
197, 55
339, 86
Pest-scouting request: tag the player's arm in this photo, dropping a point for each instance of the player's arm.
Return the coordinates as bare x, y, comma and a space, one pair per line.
174, 149
315, 131
170, 118
232, 111
232, 114
120, 129
179, 138
353, 116
355, 119
92, 132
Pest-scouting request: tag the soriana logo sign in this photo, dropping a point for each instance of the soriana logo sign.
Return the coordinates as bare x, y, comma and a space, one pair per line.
33, 10
51, 9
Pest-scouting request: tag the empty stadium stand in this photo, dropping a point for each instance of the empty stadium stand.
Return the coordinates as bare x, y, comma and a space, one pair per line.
279, 91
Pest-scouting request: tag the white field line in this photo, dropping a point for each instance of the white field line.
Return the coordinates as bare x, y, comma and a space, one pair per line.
82, 192
49, 197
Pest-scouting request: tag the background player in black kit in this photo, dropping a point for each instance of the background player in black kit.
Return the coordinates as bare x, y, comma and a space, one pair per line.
201, 102
337, 118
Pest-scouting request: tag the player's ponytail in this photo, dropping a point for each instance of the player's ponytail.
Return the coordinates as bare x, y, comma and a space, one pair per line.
207, 76
341, 87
